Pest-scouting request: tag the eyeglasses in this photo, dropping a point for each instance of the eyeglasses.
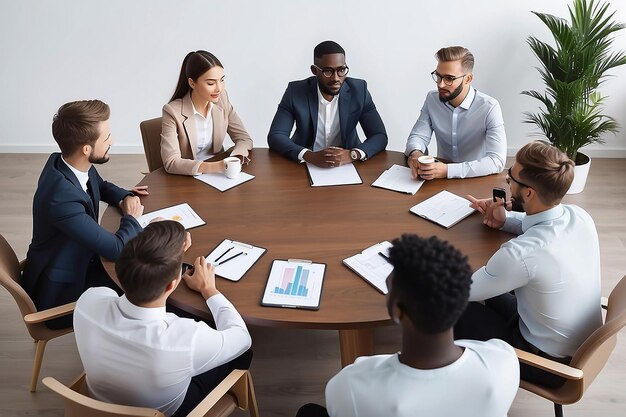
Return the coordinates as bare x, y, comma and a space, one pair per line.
510, 177
447, 80
328, 72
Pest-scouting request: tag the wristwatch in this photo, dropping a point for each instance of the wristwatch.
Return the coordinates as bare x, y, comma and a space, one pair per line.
354, 155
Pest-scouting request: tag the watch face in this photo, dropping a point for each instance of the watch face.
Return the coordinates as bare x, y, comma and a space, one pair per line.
354, 155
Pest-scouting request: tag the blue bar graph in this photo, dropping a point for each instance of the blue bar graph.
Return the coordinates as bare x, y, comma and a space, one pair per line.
294, 282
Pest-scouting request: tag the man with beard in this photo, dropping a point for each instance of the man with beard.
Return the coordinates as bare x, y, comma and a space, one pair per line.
63, 258
326, 109
552, 266
468, 124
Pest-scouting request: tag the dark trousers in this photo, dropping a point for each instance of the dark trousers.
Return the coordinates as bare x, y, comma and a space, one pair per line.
498, 318
312, 410
201, 385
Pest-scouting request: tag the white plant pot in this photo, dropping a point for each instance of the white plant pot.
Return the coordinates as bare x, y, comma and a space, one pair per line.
580, 177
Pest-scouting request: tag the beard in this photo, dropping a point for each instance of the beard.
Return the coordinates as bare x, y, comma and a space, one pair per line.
325, 88
452, 95
99, 160
517, 203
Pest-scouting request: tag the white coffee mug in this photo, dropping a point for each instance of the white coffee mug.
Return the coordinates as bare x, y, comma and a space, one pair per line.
233, 166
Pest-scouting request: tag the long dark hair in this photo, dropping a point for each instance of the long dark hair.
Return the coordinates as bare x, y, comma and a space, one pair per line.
194, 65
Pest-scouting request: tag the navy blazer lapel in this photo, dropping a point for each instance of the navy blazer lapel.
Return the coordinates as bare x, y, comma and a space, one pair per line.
345, 95
67, 172
313, 110
94, 186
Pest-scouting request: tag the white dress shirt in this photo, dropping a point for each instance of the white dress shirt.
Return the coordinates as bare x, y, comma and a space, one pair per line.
146, 357
328, 130
481, 383
204, 132
471, 135
83, 177
554, 268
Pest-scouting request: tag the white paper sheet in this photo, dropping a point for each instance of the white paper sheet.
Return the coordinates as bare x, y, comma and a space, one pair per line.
444, 208
341, 175
373, 265
398, 178
221, 181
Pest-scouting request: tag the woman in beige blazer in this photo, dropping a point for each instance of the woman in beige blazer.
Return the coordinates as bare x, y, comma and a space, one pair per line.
197, 118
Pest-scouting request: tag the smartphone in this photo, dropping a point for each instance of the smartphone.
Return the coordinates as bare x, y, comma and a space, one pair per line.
498, 192
186, 266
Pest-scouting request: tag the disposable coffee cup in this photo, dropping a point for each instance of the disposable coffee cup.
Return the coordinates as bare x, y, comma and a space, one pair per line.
426, 160
233, 166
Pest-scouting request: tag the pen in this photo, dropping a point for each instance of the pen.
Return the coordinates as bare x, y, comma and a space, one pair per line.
222, 255
232, 257
384, 256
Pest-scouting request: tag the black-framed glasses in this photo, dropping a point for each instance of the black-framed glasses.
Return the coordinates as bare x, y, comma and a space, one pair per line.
447, 79
509, 177
328, 72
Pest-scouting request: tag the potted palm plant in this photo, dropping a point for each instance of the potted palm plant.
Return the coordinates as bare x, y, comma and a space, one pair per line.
572, 71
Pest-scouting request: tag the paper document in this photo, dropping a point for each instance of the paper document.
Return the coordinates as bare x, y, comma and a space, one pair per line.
294, 284
233, 259
444, 208
373, 265
341, 175
398, 178
182, 213
222, 182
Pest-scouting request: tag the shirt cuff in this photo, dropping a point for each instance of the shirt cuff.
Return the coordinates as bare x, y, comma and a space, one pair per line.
454, 170
362, 154
301, 154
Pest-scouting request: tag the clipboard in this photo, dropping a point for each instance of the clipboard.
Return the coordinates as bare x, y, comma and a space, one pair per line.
342, 175
444, 208
294, 283
182, 213
373, 265
232, 259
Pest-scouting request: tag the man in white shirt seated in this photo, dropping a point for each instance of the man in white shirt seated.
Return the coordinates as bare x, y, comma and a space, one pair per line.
134, 352
553, 266
433, 375
468, 124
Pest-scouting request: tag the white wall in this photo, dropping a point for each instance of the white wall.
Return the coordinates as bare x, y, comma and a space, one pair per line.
128, 53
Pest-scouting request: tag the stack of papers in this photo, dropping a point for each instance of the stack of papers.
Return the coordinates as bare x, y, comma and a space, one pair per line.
373, 265
398, 178
221, 181
444, 208
341, 175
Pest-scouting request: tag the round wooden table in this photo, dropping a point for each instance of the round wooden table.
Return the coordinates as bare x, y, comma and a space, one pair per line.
280, 211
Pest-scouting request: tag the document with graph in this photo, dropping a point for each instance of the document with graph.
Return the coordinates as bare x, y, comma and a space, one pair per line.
373, 265
182, 213
294, 283
444, 208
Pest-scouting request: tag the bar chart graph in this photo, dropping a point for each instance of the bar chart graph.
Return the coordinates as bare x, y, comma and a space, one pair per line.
294, 282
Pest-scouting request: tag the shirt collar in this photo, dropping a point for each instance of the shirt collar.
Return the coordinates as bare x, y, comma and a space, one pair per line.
82, 177
544, 216
321, 98
200, 114
140, 313
469, 98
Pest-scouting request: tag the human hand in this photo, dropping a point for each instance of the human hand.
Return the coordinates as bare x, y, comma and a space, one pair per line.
131, 206
218, 166
140, 190
202, 279
413, 163
432, 171
336, 156
316, 158
494, 214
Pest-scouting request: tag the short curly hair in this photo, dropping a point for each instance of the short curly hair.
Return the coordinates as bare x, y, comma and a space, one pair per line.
430, 282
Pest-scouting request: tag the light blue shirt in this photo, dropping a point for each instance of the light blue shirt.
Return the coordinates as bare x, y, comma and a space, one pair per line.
471, 135
554, 268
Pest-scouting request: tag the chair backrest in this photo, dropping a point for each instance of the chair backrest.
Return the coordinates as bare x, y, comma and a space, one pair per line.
593, 354
151, 136
11, 277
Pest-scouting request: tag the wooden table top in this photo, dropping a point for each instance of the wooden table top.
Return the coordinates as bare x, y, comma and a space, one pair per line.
280, 211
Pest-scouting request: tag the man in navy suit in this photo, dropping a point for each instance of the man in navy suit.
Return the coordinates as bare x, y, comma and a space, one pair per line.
64, 256
326, 109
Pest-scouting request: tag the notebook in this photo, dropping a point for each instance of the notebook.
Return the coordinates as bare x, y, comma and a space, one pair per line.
444, 208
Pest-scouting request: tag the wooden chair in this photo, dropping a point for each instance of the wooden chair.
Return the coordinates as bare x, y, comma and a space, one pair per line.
151, 136
588, 360
235, 391
10, 278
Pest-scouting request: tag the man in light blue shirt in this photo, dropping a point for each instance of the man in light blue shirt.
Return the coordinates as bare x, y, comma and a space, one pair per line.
468, 124
553, 266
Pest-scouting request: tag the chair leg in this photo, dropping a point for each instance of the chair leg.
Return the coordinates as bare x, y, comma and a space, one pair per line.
558, 410
252, 404
41, 347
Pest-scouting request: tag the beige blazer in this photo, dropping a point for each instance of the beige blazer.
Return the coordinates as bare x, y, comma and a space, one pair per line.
179, 138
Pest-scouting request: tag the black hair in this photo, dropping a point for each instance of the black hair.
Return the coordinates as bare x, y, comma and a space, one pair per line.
431, 281
327, 48
151, 260
194, 65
